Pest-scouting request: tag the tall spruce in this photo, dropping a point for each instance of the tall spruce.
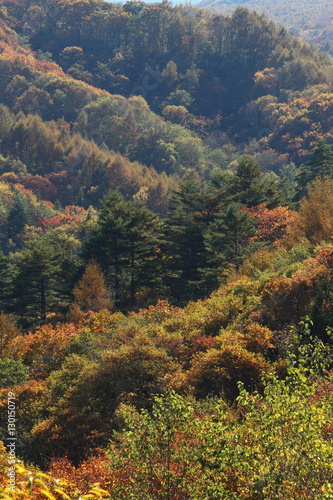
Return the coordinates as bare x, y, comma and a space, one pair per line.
320, 165
193, 209
18, 216
251, 186
322, 311
228, 238
40, 282
124, 244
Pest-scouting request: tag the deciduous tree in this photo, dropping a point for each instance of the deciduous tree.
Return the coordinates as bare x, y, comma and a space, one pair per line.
91, 292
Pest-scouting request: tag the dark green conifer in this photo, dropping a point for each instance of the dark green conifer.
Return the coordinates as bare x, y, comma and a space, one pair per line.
228, 238
124, 244
322, 311
39, 285
320, 165
251, 186
192, 211
18, 216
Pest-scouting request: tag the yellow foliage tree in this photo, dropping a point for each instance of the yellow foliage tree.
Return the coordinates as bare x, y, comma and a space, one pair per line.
8, 331
315, 218
90, 293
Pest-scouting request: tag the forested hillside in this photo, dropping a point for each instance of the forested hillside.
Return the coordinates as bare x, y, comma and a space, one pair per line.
308, 19
166, 224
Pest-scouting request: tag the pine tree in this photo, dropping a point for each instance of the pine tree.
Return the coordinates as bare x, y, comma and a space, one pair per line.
124, 244
39, 284
18, 216
251, 186
322, 310
320, 165
5, 280
227, 239
185, 256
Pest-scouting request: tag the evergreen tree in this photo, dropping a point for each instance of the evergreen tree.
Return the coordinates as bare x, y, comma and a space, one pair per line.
251, 186
322, 311
5, 279
319, 165
124, 244
39, 284
227, 239
18, 216
193, 209
288, 184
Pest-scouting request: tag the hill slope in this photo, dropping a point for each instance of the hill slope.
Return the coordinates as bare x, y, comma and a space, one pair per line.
312, 21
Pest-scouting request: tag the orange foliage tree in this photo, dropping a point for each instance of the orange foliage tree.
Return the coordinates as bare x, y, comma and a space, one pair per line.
45, 349
272, 224
91, 292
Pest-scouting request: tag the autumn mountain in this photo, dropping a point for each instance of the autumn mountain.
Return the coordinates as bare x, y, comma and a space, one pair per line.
166, 224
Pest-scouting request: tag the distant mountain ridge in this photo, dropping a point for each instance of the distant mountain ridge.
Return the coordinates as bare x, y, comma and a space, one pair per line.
239, 75
310, 20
